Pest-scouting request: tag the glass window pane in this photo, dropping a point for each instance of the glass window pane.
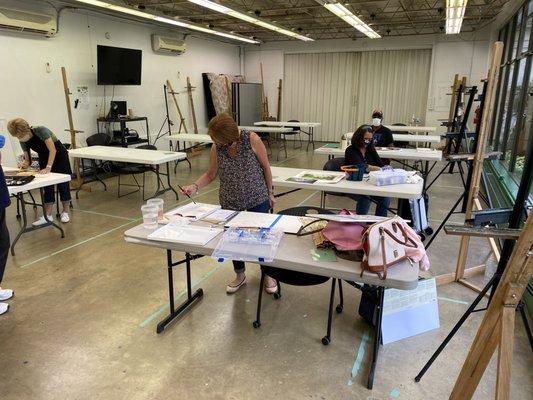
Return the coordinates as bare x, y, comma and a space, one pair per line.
525, 45
526, 134
506, 107
514, 108
517, 32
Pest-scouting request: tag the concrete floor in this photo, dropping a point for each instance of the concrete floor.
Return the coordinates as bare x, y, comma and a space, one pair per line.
82, 324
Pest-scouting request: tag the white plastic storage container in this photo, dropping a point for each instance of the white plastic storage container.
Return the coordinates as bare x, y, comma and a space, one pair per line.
388, 177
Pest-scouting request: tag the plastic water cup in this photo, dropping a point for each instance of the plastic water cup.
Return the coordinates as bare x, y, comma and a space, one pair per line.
159, 203
149, 213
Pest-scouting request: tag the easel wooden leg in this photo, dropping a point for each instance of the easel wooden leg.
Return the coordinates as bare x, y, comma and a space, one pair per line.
505, 354
476, 363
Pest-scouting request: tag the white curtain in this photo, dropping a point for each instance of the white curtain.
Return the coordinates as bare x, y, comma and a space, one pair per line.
340, 90
396, 81
320, 87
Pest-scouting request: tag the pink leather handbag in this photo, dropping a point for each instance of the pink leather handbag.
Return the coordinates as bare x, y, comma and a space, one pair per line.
345, 236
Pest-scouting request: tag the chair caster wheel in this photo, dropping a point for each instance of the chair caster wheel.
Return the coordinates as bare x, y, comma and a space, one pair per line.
256, 324
422, 237
276, 296
429, 230
326, 340
339, 309
200, 292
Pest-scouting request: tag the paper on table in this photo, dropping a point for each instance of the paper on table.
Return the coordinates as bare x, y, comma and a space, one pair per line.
219, 216
190, 234
194, 210
247, 219
348, 218
322, 177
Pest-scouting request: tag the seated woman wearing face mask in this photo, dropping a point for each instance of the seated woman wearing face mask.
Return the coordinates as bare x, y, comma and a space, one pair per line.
382, 134
362, 151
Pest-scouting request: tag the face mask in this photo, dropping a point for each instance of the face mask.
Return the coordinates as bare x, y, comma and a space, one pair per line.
376, 121
367, 141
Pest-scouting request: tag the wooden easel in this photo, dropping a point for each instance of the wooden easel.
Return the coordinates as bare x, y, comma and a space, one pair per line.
279, 99
497, 326
264, 98
473, 201
182, 120
73, 132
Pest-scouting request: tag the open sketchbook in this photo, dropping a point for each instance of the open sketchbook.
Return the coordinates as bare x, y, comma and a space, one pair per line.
195, 211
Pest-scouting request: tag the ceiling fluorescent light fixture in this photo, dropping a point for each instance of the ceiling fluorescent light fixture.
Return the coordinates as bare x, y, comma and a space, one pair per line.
247, 18
455, 12
342, 12
164, 20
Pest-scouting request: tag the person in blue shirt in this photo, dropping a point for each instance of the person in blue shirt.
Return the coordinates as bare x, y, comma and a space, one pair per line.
5, 294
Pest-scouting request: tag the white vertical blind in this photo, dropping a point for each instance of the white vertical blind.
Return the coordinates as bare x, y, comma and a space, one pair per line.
320, 87
396, 81
340, 90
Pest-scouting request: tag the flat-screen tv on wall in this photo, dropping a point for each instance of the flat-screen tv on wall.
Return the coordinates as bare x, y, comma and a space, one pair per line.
119, 66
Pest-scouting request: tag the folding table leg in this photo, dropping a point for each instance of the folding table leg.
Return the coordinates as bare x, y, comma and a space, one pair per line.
377, 337
191, 297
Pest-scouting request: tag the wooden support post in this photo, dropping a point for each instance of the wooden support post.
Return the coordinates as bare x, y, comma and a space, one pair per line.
182, 120
189, 91
477, 164
455, 87
264, 100
497, 325
279, 100
73, 132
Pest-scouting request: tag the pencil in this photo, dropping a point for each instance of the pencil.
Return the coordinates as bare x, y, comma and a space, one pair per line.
182, 191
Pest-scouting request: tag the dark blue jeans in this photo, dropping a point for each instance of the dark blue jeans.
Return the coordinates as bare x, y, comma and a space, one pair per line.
62, 188
238, 266
363, 205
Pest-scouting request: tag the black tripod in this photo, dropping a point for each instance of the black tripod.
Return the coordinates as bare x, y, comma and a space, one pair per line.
167, 121
514, 223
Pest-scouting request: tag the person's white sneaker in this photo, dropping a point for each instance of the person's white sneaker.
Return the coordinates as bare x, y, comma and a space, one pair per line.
42, 221
3, 308
65, 217
6, 294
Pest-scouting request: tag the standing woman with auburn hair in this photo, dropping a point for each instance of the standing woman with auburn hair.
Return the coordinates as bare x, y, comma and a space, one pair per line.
53, 157
240, 160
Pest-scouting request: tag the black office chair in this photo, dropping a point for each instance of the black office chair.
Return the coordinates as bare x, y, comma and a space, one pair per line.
296, 278
335, 164
283, 136
133, 170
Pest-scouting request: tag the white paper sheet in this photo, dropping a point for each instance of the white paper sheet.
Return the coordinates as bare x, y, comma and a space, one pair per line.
286, 223
195, 211
322, 177
219, 216
190, 234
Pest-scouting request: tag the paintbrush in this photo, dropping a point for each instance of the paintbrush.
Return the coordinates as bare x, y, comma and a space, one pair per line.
185, 193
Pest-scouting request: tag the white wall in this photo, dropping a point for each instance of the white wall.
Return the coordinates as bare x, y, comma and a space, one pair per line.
463, 54
29, 91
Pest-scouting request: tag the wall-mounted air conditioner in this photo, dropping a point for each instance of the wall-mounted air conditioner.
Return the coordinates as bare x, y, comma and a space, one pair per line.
161, 44
25, 21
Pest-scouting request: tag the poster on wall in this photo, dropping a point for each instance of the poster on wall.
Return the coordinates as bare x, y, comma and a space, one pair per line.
11, 149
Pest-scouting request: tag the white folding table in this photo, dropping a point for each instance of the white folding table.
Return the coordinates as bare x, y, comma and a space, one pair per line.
301, 125
39, 182
153, 158
414, 129
293, 254
397, 154
404, 191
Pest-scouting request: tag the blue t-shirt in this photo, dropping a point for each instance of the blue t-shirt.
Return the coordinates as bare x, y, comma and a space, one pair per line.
4, 194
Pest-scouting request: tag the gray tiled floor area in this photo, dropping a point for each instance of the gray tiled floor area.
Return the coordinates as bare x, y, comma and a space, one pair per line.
82, 324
